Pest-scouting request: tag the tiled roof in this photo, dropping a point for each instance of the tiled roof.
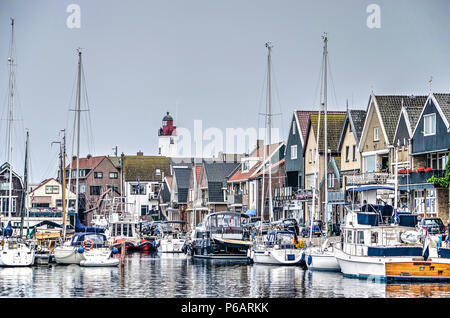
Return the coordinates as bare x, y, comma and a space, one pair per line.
259, 152
143, 168
390, 107
198, 170
413, 115
241, 176
358, 116
303, 119
335, 120
87, 163
444, 103
219, 171
182, 176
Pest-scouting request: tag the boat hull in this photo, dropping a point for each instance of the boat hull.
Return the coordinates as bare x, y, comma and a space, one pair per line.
321, 261
171, 246
276, 256
17, 257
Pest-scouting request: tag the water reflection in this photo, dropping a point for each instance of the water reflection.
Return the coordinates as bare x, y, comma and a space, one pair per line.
175, 275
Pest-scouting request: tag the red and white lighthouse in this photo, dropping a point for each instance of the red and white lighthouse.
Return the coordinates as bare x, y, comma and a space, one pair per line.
167, 137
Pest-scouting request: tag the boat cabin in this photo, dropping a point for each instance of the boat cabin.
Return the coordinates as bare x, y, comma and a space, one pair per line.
364, 234
123, 229
281, 239
225, 224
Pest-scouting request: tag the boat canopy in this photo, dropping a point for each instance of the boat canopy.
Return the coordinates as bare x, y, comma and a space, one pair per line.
83, 228
251, 212
369, 188
367, 218
97, 239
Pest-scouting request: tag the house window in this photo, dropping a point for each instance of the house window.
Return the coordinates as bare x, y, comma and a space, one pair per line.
144, 210
347, 150
95, 190
370, 163
113, 175
114, 188
49, 189
429, 124
310, 155
138, 189
430, 201
245, 166
98, 175
4, 206
310, 181
376, 136
293, 152
4, 185
293, 127
330, 180
158, 172
354, 152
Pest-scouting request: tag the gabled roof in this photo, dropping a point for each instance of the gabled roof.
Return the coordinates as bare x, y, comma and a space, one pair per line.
87, 163
355, 118
335, 120
302, 119
389, 107
219, 171
444, 104
411, 115
239, 175
6, 166
182, 176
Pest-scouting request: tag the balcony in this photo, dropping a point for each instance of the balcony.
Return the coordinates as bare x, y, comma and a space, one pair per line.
233, 199
368, 178
419, 177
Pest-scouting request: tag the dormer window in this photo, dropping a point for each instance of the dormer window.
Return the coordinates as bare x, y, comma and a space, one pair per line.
245, 166
429, 124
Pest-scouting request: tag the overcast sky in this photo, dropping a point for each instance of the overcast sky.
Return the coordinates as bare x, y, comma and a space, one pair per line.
205, 59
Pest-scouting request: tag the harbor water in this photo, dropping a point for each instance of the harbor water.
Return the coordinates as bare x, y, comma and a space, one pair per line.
176, 275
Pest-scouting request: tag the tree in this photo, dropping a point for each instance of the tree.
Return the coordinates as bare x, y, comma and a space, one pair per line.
442, 182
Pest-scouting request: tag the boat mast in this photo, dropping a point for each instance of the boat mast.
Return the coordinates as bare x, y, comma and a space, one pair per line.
63, 178
10, 119
325, 141
25, 186
77, 116
269, 123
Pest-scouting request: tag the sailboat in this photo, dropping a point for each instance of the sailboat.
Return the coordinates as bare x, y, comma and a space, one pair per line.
14, 251
279, 247
88, 246
322, 257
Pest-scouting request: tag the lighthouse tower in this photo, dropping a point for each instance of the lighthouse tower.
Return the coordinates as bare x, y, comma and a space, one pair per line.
167, 137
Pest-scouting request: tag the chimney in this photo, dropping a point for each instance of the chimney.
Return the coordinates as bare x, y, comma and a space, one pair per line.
140, 153
259, 143
89, 156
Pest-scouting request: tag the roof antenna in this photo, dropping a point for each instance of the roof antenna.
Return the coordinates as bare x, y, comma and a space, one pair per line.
347, 105
431, 82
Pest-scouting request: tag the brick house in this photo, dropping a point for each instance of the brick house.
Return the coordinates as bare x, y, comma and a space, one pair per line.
97, 176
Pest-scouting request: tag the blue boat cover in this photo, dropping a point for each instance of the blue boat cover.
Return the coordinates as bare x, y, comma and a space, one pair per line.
394, 251
409, 220
444, 252
251, 212
367, 219
83, 228
368, 188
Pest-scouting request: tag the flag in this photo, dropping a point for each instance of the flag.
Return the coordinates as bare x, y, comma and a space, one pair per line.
426, 248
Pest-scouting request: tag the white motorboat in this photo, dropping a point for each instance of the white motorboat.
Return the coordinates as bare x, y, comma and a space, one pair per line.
321, 258
369, 249
16, 252
171, 239
280, 248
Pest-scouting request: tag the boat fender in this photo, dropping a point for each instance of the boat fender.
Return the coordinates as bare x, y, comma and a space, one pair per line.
309, 260
154, 244
302, 259
80, 250
115, 250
